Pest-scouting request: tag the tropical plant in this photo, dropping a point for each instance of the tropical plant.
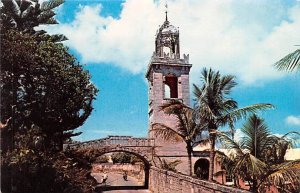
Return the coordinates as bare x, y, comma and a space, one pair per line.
248, 161
290, 62
275, 154
170, 165
186, 129
41, 85
216, 109
25, 15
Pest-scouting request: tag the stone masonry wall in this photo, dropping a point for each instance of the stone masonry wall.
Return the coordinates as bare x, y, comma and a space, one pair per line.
162, 181
170, 151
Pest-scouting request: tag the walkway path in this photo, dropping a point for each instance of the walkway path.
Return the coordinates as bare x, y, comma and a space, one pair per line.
116, 184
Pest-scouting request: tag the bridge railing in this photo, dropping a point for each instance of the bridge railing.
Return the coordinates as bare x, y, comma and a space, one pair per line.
126, 141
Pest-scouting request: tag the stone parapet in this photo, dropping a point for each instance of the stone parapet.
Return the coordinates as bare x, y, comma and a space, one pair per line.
163, 181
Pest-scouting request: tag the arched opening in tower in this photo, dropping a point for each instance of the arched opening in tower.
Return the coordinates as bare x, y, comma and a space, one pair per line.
171, 87
201, 168
167, 51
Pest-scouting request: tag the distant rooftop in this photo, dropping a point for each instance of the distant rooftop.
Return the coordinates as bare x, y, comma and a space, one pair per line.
291, 154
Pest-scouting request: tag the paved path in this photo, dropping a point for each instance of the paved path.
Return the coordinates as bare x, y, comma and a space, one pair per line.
119, 185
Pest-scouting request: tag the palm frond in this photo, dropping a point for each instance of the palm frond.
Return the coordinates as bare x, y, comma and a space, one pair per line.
198, 92
13, 7
293, 140
45, 16
249, 165
49, 21
170, 165
173, 106
230, 143
240, 113
257, 136
285, 175
50, 4
289, 62
27, 11
203, 142
166, 133
227, 83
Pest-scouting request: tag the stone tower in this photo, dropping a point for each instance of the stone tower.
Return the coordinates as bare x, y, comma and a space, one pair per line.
168, 78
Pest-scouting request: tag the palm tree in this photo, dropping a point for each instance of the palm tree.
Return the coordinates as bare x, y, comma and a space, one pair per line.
290, 62
24, 15
275, 153
249, 160
216, 109
186, 129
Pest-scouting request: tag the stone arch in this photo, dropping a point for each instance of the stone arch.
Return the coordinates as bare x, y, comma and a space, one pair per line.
201, 168
144, 157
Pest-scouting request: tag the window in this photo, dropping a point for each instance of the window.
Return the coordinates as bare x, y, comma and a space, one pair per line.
166, 51
171, 87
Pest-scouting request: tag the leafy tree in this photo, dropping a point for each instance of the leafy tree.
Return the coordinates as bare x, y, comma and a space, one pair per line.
249, 160
186, 129
45, 95
290, 62
102, 159
42, 86
216, 109
31, 168
123, 157
25, 15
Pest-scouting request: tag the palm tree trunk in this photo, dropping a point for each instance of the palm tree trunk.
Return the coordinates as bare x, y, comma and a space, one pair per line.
212, 137
254, 185
189, 151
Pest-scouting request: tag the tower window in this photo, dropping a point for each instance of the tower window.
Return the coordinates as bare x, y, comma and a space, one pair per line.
166, 51
171, 87
167, 91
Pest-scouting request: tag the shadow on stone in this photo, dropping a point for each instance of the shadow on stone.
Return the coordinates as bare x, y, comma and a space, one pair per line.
109, 188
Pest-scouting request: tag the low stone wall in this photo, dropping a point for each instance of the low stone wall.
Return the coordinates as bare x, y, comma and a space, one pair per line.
163, 181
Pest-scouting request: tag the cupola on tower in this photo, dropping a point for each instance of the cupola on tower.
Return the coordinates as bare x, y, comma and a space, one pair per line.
168, 79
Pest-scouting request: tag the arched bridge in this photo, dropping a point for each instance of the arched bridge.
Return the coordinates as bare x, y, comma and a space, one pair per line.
141, 147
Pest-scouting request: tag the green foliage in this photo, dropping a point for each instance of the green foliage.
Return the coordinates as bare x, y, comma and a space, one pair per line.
170, 165
186, 129
42, 85
214, 108
45, 95
24, 15
29, 171
102, 159
257, 158
123, 157
213, 104
290, 62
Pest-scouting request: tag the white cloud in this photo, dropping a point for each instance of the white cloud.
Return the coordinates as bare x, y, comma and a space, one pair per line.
243, 39
238, 135
293, 120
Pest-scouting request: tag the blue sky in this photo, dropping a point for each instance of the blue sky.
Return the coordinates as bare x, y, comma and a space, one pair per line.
115, 39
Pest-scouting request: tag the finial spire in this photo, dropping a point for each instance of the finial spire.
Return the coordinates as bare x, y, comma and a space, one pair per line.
166, 5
